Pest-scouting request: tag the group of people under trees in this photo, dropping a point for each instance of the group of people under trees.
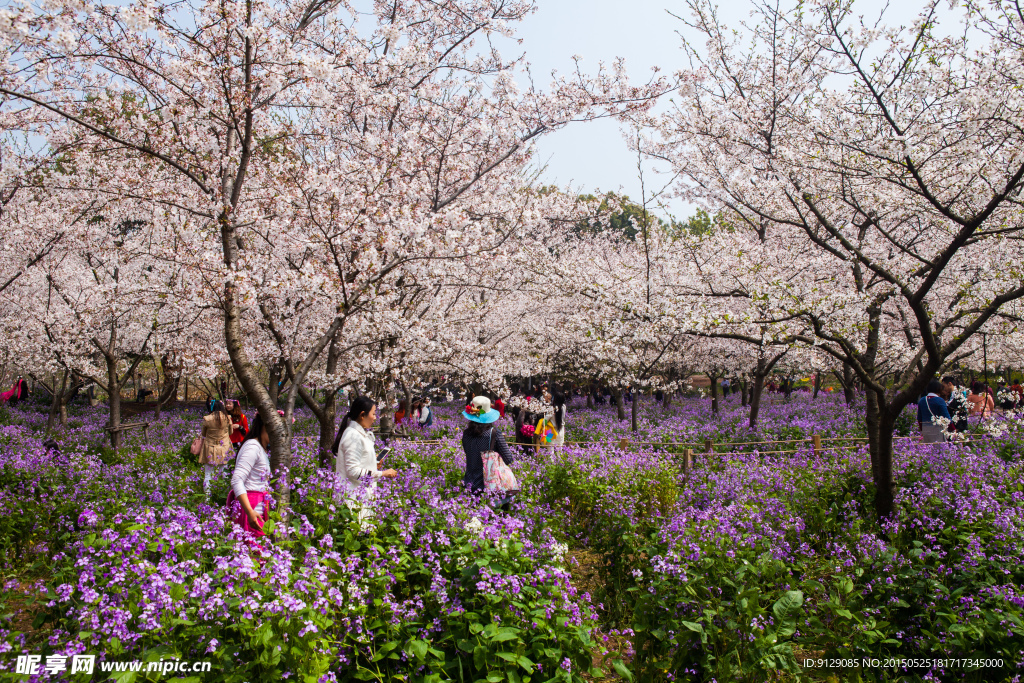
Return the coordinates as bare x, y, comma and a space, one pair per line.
420, 415
538, 415
946, 406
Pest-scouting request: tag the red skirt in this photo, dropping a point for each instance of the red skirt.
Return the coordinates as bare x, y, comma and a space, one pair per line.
239, 516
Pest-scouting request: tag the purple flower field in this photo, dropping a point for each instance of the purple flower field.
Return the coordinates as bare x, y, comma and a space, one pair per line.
752, 566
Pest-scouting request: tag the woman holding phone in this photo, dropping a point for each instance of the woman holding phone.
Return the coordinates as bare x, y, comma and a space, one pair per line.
356, 457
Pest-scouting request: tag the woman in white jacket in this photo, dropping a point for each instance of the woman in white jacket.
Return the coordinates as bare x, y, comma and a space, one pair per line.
355, 463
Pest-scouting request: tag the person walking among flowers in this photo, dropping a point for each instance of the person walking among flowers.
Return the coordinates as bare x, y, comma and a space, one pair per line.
239, 424
216, 451
479, 437
933, 414
355, 464
250, 481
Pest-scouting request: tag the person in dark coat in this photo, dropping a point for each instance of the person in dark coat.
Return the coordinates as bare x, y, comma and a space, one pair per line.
481, 435
956, 403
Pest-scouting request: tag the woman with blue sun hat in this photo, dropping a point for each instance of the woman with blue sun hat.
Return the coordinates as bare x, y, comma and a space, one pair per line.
479, 437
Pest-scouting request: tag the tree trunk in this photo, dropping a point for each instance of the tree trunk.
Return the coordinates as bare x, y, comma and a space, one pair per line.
743, 392
848, 384
276, 371
327, 411
755, 398
880, 425
617, 393
407, 392
113, 399
169, 377
632, 411
714, 393
817, 383
590, 397
278, 428
55, 401
387, 417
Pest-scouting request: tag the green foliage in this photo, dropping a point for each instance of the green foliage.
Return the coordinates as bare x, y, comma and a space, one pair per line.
630, 218
701, 223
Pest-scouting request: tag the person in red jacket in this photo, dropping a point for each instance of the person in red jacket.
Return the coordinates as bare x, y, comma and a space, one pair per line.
239, 425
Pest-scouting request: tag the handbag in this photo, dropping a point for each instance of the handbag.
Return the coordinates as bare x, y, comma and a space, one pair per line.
497, 475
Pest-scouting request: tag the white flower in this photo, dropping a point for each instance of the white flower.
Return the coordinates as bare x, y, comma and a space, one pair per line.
559, 551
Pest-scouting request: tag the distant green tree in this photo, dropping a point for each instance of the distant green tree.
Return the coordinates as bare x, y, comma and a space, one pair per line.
700, 223
624, 222
630, 217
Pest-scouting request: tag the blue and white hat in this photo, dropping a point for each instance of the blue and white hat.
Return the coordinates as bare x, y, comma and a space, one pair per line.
479, 410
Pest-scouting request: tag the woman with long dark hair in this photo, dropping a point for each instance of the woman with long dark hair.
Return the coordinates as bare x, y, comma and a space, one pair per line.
216, 450
422, 414
524, 422
250, 480
355, 455
239, 424
558, 403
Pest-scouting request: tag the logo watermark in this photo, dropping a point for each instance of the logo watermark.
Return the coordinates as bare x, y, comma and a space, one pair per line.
34, 665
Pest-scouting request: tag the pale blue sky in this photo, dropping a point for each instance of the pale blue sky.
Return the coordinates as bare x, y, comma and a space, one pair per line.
593, 155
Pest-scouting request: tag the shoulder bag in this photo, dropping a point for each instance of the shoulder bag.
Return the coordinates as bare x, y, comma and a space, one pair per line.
497, 475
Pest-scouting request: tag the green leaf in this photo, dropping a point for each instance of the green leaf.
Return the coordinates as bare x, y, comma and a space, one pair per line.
621, 669
696, 628
506, 634
785, 607
418, 649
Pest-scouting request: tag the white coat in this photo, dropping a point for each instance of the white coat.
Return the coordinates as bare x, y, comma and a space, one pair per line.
356, 460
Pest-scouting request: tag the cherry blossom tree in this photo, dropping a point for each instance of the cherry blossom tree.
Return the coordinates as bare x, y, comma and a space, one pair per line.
884, 162
292, 146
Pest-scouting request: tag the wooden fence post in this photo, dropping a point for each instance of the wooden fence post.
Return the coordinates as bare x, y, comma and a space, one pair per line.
817, 444
708, 446
687, 460
623, 444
